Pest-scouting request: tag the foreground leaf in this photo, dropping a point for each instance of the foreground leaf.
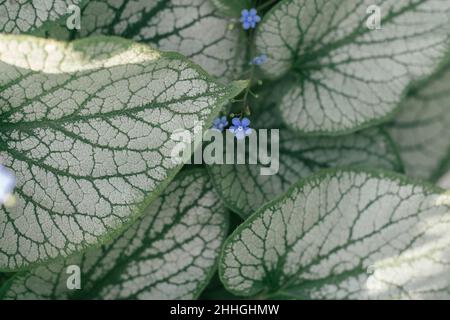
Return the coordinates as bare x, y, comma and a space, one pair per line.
347, 76
86, 128
422, 128
243, 188
194, 29
170, 253
344, 235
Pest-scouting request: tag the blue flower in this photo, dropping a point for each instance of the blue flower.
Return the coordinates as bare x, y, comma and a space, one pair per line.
220, 123
240, 128
249, 18
7, 184
259, 60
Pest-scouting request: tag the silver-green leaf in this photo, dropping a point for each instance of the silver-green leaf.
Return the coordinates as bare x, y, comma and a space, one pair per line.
348, 76
422, 128
344, 235
169, 253
86, 127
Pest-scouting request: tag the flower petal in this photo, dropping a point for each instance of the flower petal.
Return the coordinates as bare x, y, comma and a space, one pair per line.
245, 122
236, 122
239, 135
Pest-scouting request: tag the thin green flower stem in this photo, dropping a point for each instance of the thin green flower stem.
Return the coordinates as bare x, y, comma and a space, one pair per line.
251, 76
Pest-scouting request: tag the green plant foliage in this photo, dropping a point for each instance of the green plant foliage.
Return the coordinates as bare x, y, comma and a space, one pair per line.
302, 125
169, 253
244, 189
76, 127
344, 235
347, 76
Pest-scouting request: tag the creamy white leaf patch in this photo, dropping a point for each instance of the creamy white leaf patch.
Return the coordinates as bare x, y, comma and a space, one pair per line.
86, 128
190, 27
348, 76
19, 16
244, 190
344, 235
169, 253
422, 128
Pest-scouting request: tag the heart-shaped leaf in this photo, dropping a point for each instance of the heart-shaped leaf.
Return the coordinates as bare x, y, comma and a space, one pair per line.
348, 76
422, 128
169, 253
86, 127
344, 235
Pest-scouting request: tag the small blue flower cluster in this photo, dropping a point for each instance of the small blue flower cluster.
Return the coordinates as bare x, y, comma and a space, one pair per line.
220, 123
249, 18
240, 128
